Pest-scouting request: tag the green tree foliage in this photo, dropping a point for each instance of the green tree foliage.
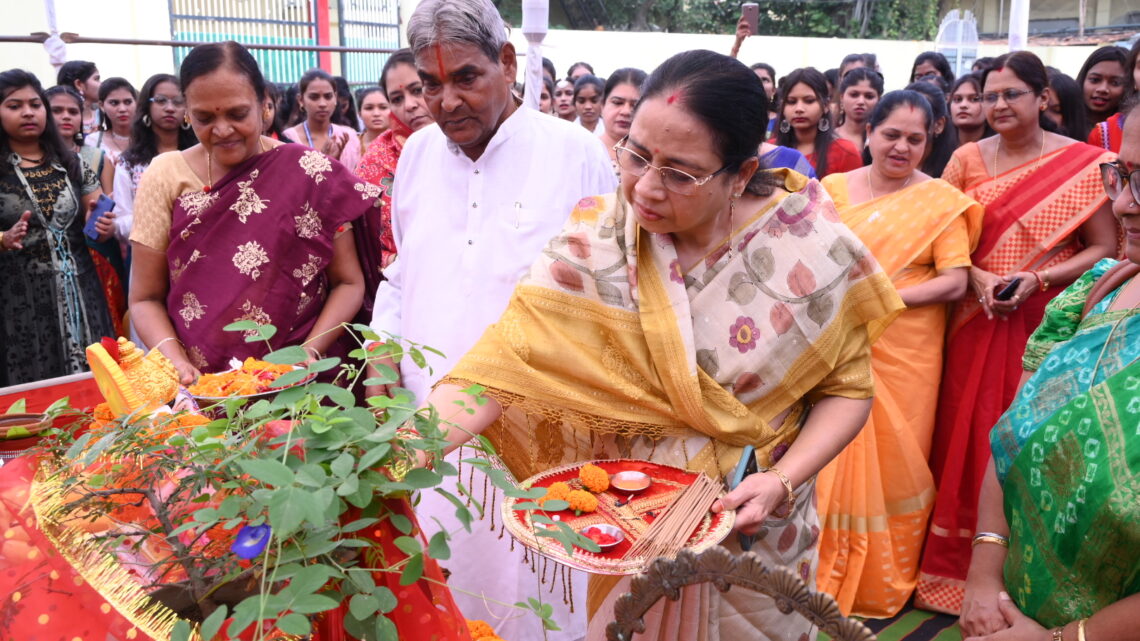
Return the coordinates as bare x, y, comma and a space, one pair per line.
882, 19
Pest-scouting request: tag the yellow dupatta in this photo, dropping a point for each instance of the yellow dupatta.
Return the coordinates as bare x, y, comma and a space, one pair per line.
601, 342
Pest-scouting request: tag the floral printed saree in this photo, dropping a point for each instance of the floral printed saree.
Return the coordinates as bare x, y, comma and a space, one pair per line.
255, 246
607, 349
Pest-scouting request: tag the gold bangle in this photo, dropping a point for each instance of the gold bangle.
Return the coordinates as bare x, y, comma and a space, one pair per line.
1081, 629
1044, 278
1058, 634
990, 537
787, 483
168, 338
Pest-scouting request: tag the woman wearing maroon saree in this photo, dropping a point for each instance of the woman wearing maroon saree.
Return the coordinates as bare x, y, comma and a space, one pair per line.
1047, 221
242, 227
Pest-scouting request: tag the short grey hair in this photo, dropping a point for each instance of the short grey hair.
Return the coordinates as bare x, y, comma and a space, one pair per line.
474, 22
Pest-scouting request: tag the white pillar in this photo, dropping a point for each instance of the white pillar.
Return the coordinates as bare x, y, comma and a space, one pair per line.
1018, 25
536, 20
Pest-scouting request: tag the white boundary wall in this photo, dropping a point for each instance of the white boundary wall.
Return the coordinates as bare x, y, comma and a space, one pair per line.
605, 50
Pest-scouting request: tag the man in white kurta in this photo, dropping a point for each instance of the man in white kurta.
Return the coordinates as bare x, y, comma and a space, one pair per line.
476, 198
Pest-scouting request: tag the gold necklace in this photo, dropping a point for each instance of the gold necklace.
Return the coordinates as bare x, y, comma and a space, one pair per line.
872, 189
997, 150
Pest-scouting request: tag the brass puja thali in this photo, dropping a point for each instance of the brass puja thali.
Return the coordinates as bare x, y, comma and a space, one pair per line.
631, 510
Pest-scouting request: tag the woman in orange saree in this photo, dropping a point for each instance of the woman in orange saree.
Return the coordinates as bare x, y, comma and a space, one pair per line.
1047, 222
875, 497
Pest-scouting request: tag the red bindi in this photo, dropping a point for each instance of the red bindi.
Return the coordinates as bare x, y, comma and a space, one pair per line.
673, 98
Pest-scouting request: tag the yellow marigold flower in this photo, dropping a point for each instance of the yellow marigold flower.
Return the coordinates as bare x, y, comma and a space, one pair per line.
582, 501
556, 492
594, 478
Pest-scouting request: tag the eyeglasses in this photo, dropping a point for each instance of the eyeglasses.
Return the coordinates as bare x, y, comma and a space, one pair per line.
674, 180
162, 101
1116, 180
1009, 95
975, 99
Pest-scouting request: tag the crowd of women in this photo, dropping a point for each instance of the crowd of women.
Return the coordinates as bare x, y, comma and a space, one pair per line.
977, 197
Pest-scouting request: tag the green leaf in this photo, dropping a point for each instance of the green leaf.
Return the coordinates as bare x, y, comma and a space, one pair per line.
413, 571
311, 578
268, 471
241, 326
386, 630
286, 511
438, 548
350, 485
324, 365
313, 603
181, 631
358, 524
362, 579
422, 478
291, 378
363, 606
387, 599
295, 624
213, 623
339, 395
342, 466
292, 355
373, 455
408, 545
19, 407
312, 475
402, 523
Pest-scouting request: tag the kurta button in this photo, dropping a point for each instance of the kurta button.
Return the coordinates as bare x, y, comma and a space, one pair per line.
470, 242
474, 205
476, 171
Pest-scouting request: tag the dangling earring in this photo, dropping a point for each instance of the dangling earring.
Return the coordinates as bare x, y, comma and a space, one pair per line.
103, 124
785, 126
824, 124
731, 226
146, 120
186, 122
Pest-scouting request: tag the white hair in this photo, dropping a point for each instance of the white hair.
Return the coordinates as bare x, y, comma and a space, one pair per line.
475, 22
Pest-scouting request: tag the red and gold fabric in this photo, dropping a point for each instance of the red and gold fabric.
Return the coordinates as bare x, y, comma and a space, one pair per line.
1032, 214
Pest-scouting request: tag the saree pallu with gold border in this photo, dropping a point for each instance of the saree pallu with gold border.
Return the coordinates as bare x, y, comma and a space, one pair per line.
1032, 215
876, 496
1067, 455
608, 350
255, 246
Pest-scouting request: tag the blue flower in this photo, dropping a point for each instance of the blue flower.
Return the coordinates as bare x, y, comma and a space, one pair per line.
251, 540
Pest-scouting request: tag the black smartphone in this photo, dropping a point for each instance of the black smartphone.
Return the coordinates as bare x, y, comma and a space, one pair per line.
1008, 291
102, 206
750, 11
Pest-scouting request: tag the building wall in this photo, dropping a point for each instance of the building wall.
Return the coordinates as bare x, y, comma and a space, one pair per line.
1045, 15
606, 51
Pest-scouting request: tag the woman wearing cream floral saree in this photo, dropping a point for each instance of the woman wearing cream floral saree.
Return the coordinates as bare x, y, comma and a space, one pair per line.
703, 309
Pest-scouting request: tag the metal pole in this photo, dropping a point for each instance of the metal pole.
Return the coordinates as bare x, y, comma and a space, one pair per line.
72, 38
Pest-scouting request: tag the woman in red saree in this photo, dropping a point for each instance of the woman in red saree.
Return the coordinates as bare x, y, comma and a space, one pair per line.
405, 92
1047, 221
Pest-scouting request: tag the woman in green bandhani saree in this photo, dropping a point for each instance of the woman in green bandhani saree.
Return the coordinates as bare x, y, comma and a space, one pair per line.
1057, 548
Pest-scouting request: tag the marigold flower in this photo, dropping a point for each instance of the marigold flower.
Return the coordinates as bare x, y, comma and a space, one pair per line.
594, 478
557, 491
582, 501
479, 629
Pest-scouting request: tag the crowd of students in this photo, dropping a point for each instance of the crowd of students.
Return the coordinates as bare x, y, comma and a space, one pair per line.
978, 195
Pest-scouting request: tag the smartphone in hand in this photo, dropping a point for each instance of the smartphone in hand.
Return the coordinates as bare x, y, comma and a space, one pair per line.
750, 11
102, 206
1009, 290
